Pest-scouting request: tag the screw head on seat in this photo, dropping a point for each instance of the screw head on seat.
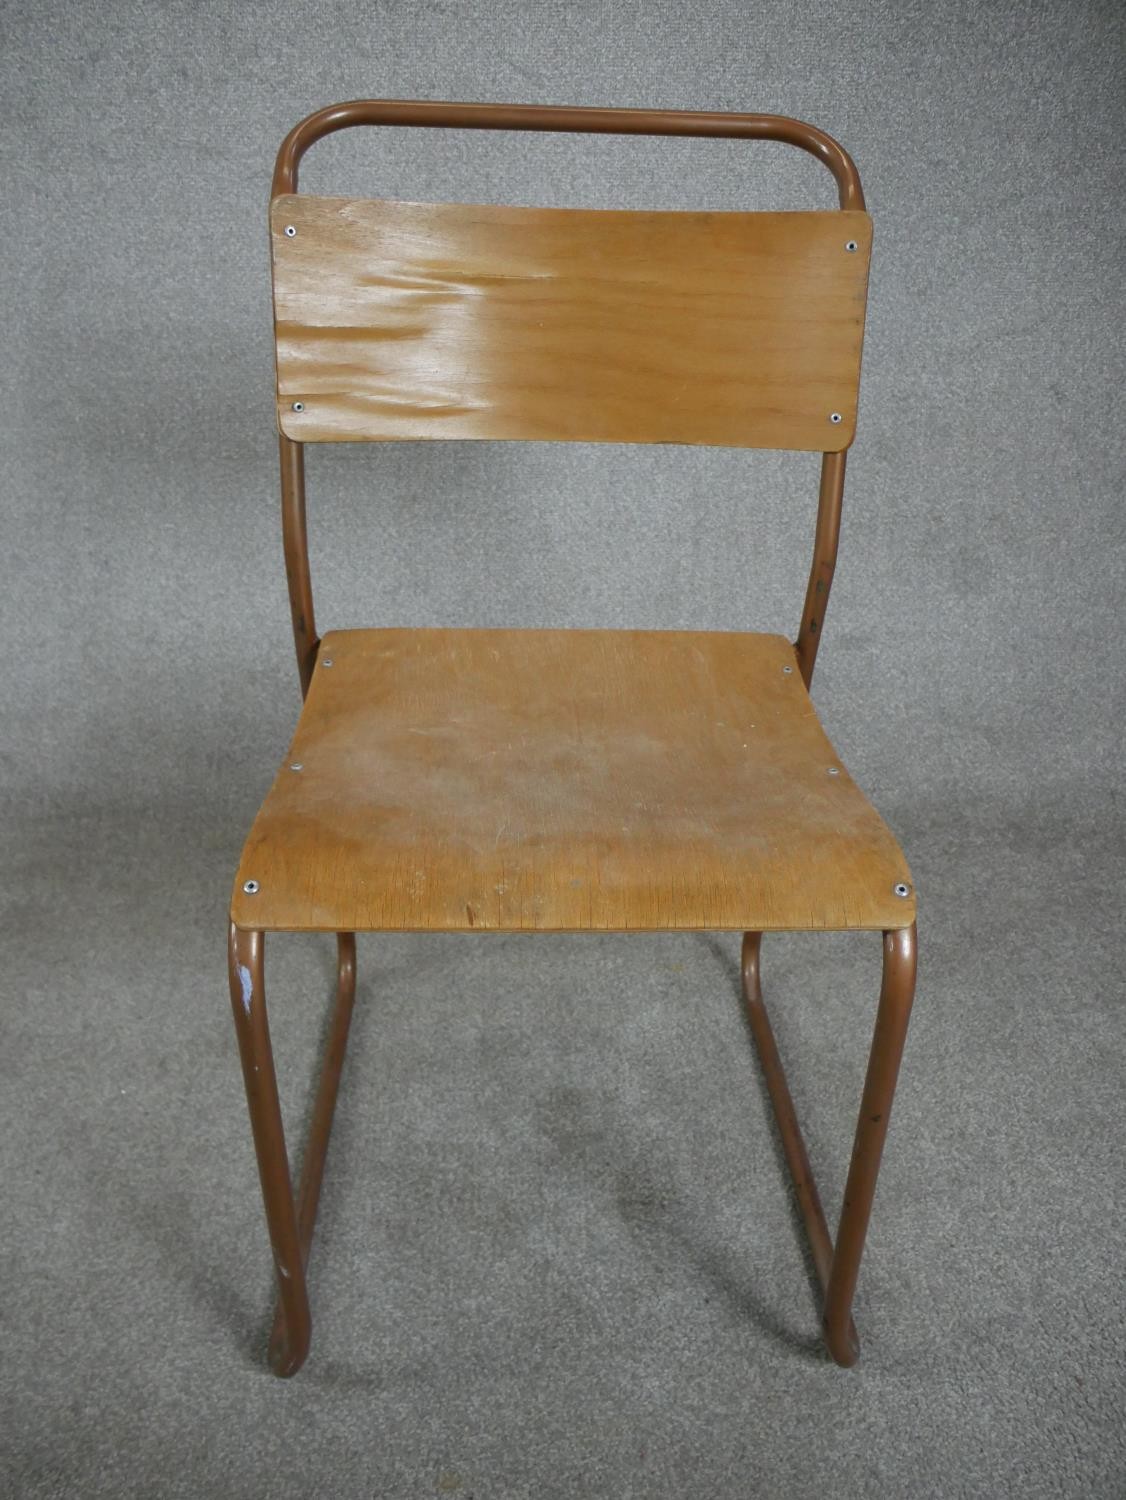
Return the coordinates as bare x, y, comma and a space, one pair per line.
250, 887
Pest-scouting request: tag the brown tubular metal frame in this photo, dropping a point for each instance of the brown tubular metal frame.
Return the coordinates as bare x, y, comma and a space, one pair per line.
291, 1224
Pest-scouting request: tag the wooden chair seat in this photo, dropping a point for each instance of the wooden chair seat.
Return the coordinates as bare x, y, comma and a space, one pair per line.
534, 780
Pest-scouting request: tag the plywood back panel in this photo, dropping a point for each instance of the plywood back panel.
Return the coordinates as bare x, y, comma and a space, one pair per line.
440, 320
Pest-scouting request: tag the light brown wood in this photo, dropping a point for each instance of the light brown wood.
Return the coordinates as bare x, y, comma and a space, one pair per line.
457, 780
439, 320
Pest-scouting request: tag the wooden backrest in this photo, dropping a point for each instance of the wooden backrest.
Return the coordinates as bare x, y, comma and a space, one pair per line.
409, 320
438, 320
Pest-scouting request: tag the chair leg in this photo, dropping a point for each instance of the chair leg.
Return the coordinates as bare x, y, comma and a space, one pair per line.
290, 1227
838, 1267
248, 1002
897, 993
324, 1108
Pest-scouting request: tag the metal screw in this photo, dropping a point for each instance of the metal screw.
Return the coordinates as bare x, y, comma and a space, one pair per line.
297, 766
327, 662
290, 231
250, 887
849, 245
834, 417
786, 671
300, 406
834, 770
902, 889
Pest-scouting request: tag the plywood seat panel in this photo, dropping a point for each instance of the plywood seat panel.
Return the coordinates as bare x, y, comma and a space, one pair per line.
537, 780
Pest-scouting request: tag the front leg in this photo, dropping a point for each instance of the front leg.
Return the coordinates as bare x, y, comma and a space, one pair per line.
248, 1001
897, 993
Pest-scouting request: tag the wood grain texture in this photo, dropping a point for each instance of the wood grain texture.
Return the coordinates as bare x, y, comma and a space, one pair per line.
438, 320
457, 780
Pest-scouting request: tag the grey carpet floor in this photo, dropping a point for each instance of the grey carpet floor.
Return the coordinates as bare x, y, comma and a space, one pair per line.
557, 1253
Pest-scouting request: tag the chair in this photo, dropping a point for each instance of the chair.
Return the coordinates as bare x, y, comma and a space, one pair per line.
553, 780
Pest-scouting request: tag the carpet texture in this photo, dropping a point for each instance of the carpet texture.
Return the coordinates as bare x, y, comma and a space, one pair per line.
557, 1253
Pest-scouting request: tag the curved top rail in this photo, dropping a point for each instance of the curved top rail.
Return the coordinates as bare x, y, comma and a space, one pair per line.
427, 112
